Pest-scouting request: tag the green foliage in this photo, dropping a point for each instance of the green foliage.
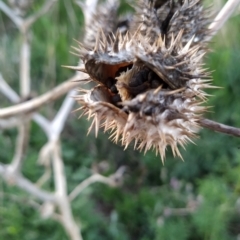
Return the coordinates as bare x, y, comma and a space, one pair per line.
213, 215
208, 179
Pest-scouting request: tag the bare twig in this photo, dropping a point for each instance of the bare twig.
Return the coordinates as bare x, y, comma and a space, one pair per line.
87, 182
53, 130
7, 91
69, 223
44, 9
37, 102
13, 178
21, 200
44, 159
42, 122
11, 14
59, 177
21, 146
24, 25
218, 127
58, 122
14, 121
223, 16
25, 55
45, 177
113, 181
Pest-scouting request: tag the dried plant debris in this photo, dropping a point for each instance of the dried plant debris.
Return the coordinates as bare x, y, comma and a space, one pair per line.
149, 79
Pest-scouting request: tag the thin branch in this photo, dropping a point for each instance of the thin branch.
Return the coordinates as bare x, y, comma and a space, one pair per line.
68, 222
59, 176
223, 16
87, 182
45, 177
21, 200
11, 14
44, 159
29, 187
7, 91
53, 132
25, 184
24, 25
21, 146
58, 122
37, 102
14, 121
25, 56
218, 127
113, 181
47, 210
42, 122
44, 9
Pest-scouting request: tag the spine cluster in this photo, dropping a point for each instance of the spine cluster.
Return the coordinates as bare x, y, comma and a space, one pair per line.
149, 80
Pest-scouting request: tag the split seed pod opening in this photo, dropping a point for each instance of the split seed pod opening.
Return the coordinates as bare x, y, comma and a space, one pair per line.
149, 79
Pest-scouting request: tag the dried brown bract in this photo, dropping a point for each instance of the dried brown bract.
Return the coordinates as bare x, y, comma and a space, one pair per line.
149, 80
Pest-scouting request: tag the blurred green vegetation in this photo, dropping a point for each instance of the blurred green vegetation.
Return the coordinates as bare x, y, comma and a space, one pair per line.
197, 199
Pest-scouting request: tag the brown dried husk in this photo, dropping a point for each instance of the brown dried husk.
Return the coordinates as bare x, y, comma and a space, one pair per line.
150, 116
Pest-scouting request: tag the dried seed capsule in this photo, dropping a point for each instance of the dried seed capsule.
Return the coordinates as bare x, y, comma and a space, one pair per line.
155, 83
148, 111
114, 89
110, 82
163, 47
134, 91
116, 98
122, 69
139, 78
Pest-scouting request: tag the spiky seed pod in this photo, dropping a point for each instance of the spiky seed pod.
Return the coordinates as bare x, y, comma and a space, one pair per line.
104, 18
194, 18
167, 17
150, 80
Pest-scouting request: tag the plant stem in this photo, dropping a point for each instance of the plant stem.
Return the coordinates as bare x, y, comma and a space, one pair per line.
219, 127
